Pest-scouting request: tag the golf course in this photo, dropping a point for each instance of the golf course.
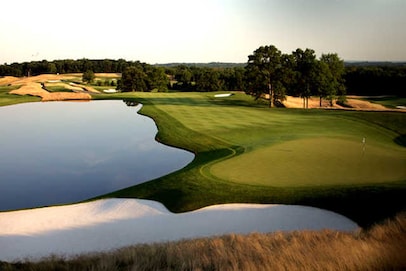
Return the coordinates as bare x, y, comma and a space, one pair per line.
203, 135
350, 162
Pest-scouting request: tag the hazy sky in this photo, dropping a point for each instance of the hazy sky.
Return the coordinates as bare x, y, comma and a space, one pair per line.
161, 31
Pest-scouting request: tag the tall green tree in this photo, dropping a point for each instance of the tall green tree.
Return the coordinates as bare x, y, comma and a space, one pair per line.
52, 68
323, 85
157, 79
232, 78
86, 64
334, 84
264, 73
183, 74
208, 80
88, 76
288, 74
306, 73
133, 78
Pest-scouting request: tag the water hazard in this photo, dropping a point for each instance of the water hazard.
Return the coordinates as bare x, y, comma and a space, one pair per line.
63, 152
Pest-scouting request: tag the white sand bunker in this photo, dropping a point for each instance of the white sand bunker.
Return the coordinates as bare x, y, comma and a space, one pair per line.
223, 95
113, 223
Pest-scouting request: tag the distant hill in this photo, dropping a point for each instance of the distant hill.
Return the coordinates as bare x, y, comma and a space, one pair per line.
374, 64
203, 65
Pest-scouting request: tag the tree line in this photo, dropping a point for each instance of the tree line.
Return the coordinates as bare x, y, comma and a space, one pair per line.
371, 79
267, 72
143, 77
65, 66
300, 73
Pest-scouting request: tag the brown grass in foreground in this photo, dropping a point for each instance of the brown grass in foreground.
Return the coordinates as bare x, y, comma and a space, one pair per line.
383, 247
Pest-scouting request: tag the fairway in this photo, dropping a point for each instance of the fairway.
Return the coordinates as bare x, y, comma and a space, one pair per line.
288, 147
312, 139
315, 161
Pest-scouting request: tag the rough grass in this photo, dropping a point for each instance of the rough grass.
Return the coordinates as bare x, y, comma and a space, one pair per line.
380, 248
57, 88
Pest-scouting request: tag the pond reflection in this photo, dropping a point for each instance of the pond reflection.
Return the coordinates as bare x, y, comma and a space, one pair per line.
131, 102
63, 152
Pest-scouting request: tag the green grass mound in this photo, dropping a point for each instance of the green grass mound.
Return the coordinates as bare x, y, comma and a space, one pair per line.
315, 161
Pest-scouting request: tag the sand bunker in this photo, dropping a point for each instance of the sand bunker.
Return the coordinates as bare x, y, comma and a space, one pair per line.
223, 95
107, 75
113, 223
32, 86
35, 89
32, 79
6, 80
297, 102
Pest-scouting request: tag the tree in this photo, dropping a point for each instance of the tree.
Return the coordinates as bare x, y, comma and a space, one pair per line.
107, 65
133, 78
88, 76
183, 75
324, 85
86, 64
263, 74
288, 74
334, 83
52, 68
305, 67
208, 80
232, 78
157, 79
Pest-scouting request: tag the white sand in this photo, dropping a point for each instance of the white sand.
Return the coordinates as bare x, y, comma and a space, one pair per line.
113, 223
223, 95
110, 90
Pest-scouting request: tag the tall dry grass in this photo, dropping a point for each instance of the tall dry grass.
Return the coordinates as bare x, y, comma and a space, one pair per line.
383, 247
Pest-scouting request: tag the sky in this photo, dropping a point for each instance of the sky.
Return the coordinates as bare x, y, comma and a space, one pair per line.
164, 31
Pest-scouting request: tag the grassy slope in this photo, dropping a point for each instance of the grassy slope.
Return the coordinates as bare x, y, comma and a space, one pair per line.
9, 99
216, 129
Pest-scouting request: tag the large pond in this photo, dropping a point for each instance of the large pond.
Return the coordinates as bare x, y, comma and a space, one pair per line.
63, 152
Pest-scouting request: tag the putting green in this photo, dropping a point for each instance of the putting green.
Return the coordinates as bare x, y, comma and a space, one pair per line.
315, 161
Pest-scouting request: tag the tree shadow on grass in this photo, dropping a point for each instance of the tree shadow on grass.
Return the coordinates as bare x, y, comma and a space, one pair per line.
401, 140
